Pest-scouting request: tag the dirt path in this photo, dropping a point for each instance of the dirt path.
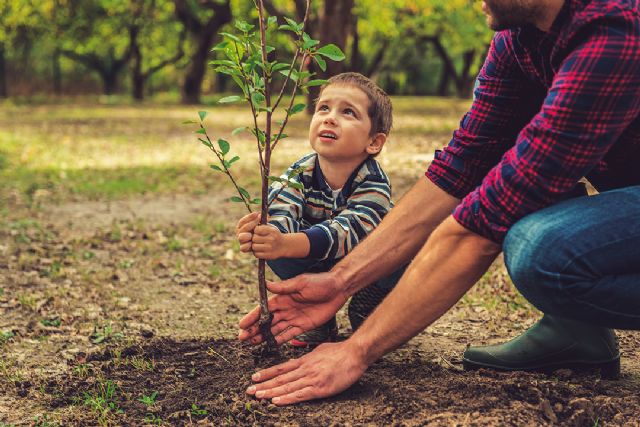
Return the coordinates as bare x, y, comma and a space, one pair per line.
143, 296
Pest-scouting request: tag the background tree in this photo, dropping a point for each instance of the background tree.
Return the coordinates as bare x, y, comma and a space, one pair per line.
156, 41
203, 21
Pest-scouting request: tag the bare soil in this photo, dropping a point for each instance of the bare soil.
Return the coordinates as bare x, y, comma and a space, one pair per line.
102, 304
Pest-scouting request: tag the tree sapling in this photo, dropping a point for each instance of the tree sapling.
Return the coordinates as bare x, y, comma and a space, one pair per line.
253, 64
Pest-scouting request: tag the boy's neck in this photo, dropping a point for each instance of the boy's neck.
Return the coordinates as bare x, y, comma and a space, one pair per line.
337, 173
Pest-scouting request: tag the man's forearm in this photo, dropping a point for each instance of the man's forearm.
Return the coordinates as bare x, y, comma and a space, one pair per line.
451, 261
398, 237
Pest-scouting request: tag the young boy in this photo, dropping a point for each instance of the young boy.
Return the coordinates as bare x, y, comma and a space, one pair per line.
345, 195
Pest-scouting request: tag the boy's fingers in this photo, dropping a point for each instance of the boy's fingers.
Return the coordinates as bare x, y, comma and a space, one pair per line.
246, 247
264, 230
247, 218
248, 222
244, 237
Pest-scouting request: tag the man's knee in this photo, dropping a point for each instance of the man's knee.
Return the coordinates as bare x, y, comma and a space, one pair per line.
532, 254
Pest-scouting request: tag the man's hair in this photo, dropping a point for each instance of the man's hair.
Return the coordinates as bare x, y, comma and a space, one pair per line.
380, 110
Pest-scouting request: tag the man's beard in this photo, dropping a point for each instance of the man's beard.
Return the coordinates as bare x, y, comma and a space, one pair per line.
506, 14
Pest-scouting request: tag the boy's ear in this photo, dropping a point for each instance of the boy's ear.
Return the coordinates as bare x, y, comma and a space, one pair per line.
376, 144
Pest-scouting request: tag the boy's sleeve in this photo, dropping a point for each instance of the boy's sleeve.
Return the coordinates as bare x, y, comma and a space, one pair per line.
367, 205
285, 212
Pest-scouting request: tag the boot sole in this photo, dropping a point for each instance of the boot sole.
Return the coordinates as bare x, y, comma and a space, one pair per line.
609, 369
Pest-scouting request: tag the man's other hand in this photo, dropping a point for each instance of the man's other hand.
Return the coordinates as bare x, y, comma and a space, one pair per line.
326, 371
300, 304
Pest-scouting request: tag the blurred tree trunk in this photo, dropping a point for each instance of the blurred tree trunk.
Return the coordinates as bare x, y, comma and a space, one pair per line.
108, 68
3, 74
57, 74
204, 33
139, 78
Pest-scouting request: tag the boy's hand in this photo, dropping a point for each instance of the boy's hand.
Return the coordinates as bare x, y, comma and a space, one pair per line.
268, 242
245, 229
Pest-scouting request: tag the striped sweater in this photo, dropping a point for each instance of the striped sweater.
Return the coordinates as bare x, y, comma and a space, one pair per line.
333, 225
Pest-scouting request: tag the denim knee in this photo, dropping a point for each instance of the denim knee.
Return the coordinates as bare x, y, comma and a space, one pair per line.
531, 258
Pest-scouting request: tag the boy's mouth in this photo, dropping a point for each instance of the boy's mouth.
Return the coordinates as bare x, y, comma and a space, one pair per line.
328, 135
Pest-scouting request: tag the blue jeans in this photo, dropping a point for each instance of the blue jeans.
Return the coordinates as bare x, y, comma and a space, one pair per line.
580, 258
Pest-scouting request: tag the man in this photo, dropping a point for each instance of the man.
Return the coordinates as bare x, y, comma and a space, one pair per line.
558, 99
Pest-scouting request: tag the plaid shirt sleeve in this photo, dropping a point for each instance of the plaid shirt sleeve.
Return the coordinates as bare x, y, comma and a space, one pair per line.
491, 125
594, 96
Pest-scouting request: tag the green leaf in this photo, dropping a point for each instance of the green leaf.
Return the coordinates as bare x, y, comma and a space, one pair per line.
220, 46
257, 98
296, 109
225, 62
202, 115
280, 66
275, 179
231, 37
189, 122
317, 82
296, 185
321, 62
332, 52
216, 168
224, 146
235, 159
272, 20
201, 131
294, 74
269, 49
236, 131
244, 26
255, 201
285, 27
308, 42
236, 199
230, 99
205, 142
291, 22
244, 192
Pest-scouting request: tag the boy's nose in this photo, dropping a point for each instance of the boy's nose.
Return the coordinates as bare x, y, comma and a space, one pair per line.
330, 119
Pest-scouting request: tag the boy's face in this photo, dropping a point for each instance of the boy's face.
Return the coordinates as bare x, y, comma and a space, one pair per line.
340, 125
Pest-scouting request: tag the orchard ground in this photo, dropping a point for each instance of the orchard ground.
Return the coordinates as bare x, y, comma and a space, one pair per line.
121, 286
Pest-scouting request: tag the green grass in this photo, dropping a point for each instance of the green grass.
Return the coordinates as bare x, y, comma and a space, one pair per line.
107, 149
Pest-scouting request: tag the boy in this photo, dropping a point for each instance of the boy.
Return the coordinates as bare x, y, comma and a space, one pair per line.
345, 195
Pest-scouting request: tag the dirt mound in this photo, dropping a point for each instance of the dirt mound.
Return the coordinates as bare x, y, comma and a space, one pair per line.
204, 381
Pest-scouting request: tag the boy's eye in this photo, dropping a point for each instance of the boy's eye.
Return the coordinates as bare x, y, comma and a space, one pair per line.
350, 111
323, 107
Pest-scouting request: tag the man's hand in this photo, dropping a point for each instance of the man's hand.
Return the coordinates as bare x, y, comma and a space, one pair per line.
245, 229
300, 304
328, 370
268, 242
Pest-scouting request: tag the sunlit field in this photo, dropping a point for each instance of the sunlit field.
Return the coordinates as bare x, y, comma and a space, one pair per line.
93, 151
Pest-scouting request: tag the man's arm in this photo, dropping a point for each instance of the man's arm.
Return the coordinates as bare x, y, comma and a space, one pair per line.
451, 261
396, 240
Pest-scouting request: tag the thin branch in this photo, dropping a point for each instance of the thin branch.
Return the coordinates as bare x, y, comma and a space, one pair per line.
293, 98
295, 57
226, 169
253, 110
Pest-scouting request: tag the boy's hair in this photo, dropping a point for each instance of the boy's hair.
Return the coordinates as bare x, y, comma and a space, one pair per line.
380, 110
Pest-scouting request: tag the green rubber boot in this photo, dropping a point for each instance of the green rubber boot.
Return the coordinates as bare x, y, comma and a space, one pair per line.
552, 343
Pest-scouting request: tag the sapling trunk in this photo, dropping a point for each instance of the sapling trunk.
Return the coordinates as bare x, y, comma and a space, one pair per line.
248, 64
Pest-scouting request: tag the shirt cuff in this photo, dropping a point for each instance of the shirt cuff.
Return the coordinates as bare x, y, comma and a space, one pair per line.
319, 242
439, 172
476, 218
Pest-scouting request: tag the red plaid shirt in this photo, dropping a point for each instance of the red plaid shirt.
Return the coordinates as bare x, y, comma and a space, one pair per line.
549, 109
